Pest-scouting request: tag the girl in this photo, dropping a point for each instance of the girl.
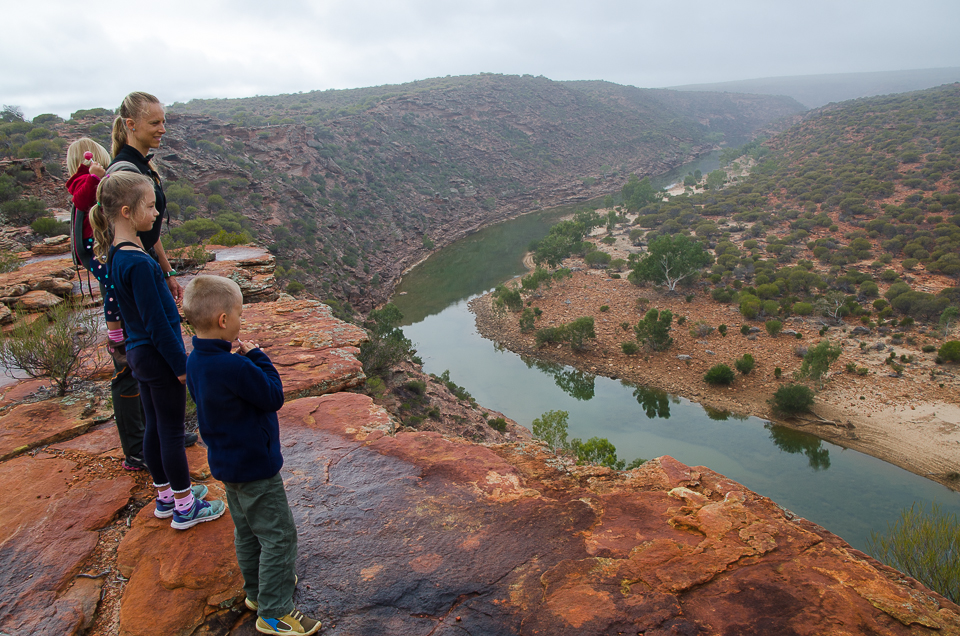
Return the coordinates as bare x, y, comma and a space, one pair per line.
126, 206
85, 165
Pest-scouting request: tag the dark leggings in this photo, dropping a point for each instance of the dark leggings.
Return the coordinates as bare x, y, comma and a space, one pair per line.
164, 401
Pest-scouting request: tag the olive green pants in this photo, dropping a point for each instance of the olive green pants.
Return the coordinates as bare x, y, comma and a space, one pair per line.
266, 540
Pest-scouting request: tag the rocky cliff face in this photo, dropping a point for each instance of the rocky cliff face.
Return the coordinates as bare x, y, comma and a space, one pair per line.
349, 188
419, 532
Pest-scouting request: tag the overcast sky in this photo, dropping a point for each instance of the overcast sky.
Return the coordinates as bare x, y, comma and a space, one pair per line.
62, 56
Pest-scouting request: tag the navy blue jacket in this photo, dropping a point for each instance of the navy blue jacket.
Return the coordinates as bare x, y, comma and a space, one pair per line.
149, 313
237, 401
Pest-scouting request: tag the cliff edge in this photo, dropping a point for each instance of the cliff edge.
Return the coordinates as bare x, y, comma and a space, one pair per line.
413, 532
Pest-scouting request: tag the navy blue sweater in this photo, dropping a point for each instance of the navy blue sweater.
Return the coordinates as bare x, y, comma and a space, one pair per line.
149, 313
237, 401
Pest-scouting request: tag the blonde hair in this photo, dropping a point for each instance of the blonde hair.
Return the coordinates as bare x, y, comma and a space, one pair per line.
80, 146
206, 297
134, 106
114, 192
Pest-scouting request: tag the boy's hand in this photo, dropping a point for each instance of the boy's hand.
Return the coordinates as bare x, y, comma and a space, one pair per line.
182, 378
246, 347
97, 169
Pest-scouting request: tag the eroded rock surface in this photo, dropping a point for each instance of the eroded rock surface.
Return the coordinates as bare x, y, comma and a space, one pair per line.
415, 533
47, 532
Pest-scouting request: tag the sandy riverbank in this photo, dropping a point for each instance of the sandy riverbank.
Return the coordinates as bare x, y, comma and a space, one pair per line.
912, 421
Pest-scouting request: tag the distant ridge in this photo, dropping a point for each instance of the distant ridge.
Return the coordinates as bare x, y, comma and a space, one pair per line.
814, 91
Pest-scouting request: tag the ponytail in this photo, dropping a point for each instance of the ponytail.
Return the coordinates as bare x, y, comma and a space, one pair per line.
116, 191
119, 135
133, 107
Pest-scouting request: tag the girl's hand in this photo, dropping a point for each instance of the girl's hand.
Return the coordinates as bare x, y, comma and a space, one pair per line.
246, 347
175, 289
182, 378
97, 170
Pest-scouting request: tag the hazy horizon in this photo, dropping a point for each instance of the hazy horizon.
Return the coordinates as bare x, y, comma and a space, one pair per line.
67, 59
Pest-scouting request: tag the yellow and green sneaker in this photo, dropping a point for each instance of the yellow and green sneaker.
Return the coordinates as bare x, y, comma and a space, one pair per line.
294, 623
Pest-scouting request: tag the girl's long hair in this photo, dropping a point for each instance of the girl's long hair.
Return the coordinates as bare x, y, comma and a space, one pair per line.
114, 192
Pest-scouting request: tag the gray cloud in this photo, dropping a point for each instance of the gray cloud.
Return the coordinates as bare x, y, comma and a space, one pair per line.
182, 50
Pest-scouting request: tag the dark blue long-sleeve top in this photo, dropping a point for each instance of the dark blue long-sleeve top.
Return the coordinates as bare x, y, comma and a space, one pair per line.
237, 399
150, 314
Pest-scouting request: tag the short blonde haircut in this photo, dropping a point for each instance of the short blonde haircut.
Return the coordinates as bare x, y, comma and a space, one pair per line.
206, 297
80, 146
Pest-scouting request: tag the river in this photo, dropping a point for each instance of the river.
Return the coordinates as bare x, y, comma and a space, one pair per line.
847, 492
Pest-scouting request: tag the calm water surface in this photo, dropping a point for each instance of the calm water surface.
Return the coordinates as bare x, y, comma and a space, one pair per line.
845, 491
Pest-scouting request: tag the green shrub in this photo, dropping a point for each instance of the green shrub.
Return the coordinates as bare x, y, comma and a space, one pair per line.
719, 374
773, 327
49, 226
928, 348
630, 348
924, 545
793, 398
744, 330
950, 351
507, 298
23, 211
527, 318
604, 308
597, 450
294, 287
744, 364
777, 372
802, 308
654, 329
498, 424
722, 329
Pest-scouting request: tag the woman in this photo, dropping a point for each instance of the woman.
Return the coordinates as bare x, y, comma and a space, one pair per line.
137, 130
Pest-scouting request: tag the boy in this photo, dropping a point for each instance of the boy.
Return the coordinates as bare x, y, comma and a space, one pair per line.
237, 397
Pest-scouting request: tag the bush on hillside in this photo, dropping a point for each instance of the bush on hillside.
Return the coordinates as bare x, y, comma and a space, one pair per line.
793, 398
719, 374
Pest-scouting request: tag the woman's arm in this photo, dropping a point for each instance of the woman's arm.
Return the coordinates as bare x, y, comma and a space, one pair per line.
172, 283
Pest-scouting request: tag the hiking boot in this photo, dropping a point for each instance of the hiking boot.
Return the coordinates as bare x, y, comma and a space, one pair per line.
253, 605
134, 463
165, 510
200, 512
189, 439
293, 623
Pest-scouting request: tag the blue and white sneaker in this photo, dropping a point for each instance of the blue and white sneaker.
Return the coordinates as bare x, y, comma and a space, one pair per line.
165, 510
200, 512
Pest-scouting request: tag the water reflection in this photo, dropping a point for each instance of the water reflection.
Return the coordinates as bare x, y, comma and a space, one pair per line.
575, 383
722, 415
791, 441
655, 403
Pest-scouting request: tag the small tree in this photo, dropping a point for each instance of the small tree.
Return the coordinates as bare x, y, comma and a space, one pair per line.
597, 450
551, 427
791, 399
654, 329
387, 345
817, 361
773, 327
950, 351
924, 545
670, 260
62, 349
579, 330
